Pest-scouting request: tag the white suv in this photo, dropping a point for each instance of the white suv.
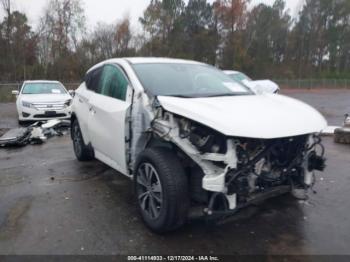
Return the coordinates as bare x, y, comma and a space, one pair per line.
192, 137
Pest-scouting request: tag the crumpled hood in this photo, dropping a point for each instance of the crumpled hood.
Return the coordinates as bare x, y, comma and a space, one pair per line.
42, 98
253, 116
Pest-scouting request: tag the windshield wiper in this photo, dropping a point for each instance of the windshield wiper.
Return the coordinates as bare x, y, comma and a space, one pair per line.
224, 94
182, 96
207, 95
218, 95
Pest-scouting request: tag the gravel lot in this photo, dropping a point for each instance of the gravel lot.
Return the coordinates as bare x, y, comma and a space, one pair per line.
52, 204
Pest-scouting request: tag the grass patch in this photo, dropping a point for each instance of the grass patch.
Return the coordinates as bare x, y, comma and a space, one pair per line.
5, 93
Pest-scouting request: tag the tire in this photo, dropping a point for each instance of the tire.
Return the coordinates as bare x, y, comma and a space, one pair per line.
167, 187
82, 152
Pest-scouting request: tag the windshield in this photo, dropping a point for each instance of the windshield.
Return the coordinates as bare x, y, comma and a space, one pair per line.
240, 77
43, 88
187, 80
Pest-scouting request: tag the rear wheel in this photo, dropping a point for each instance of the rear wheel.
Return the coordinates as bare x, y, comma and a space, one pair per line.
162, 190
82, 152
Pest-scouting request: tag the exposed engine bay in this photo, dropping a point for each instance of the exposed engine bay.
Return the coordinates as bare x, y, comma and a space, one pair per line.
230, 172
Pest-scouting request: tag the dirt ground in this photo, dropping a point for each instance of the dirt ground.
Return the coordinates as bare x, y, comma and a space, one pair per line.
52, 204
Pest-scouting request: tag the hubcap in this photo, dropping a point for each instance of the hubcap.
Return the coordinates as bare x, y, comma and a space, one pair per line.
149, 190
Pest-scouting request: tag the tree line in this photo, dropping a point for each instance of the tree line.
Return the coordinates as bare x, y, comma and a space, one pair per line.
262, 41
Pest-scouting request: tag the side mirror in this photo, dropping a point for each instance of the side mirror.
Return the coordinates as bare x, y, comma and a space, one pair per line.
71, 92
15, 92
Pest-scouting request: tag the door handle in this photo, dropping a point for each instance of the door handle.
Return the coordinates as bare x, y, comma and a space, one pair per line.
92, 110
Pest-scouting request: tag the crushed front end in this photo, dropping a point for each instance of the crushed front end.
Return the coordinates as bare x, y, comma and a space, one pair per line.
228, 173
267, 168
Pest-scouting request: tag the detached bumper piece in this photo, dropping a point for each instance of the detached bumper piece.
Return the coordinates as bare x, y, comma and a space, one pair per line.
218, 205
15, 137
37, 133
342, 135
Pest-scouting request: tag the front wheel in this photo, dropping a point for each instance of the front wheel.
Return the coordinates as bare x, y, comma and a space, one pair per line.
162, 190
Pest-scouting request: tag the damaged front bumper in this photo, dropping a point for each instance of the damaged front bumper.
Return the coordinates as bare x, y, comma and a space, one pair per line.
235, 179
222, 204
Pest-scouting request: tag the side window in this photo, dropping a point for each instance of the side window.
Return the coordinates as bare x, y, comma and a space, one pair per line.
113, 83
92, 79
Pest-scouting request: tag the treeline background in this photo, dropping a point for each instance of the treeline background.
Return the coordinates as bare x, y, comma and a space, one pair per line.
262, 41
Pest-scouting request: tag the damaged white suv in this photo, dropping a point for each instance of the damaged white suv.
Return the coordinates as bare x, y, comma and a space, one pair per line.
191, 137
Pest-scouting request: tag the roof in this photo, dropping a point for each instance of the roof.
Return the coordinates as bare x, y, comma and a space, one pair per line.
41, 81
145, 60
151, 60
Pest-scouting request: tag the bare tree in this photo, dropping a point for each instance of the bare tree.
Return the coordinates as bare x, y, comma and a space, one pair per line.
62, 24
103, 41
60, 29
123, 36
6, 5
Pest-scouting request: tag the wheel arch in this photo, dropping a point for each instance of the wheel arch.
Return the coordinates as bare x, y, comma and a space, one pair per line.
86, 138
188, 163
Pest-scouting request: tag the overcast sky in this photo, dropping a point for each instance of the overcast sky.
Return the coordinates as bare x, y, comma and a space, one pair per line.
109, 11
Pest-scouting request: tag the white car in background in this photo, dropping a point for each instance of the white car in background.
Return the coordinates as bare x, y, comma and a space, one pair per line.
42, 100
192, 138
258, 86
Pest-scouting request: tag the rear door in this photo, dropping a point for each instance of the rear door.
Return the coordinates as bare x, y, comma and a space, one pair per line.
108, 114
81, 104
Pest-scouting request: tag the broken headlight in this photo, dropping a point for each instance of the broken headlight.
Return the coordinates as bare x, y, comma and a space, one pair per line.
203, 138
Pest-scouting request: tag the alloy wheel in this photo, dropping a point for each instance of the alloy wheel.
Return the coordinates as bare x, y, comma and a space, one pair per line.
149, 190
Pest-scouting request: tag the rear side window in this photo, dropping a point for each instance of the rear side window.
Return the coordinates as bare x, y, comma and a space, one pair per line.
113, 83
92, 79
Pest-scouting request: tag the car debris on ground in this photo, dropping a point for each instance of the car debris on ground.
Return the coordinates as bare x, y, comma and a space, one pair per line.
342, 135
36, 133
